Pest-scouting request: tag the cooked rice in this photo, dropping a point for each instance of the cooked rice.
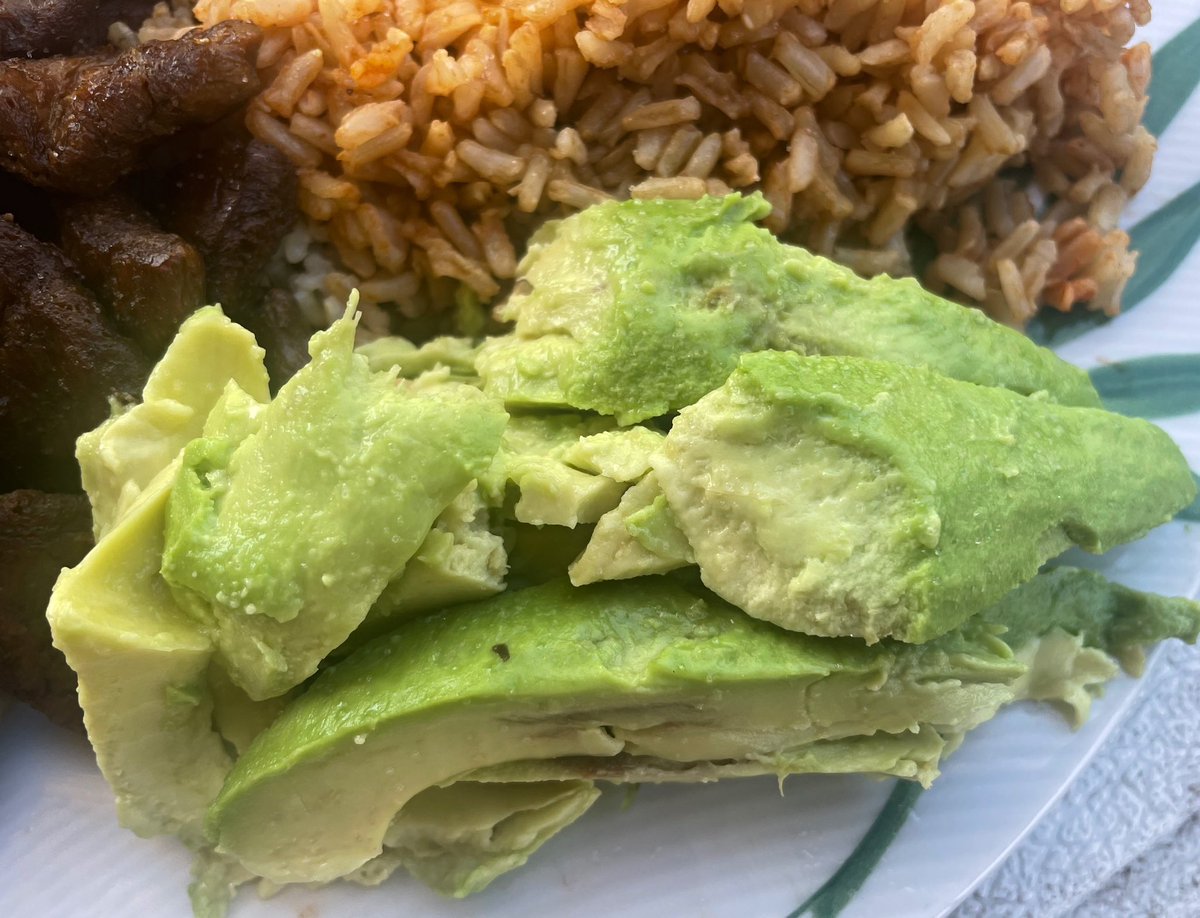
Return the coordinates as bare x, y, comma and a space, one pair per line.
433, 137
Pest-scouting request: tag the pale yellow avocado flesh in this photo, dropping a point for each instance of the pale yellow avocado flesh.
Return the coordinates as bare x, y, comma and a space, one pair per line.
802, 527
615, 553
118, 459
143, 675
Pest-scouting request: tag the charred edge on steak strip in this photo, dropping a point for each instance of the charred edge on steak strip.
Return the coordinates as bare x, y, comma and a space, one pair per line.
149, 280
78, 124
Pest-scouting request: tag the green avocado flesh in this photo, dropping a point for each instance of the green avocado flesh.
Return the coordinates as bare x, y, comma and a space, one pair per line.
554, 683
335, 491
143, 668
657, 675
843, 496
120, 458
715, 507
638, 308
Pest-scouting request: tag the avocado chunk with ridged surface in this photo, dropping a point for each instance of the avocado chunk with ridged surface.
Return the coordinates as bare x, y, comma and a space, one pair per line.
335, 491
682, 687
638, 308
844, 496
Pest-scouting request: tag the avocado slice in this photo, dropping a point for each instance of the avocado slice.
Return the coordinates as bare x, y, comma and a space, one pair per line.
1094, 628
639, 537
638, 308
335, 489
120, 458
681, 687
143, 667
843, 496
1107, 616
454, 355
550, 490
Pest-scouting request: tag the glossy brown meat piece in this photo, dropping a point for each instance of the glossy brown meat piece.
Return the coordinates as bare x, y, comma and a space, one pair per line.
78, 124
234, 198
277, 326
149, 280
60, 361
39, 535
38, 28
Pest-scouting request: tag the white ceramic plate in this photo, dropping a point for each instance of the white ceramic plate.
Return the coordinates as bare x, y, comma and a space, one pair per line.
735, 849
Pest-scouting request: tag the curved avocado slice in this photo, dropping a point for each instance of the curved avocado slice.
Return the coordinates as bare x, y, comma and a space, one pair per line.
333, 492
647, 674
638, 308
120, 458
843, 496
143, 668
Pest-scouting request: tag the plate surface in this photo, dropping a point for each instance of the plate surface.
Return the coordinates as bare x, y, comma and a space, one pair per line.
734, 849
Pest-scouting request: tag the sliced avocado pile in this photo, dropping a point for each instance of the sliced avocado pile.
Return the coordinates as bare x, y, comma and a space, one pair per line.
714, 508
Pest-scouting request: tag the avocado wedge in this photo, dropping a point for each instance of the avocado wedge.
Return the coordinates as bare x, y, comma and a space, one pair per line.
844, 496
120, 458
638, 308
143, 668
496, 717
644, 679
335, 489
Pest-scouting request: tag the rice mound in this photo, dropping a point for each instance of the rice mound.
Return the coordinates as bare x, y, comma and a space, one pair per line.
433, 137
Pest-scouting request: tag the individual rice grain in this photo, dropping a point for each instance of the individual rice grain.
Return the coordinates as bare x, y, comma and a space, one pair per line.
661, 114
679, 187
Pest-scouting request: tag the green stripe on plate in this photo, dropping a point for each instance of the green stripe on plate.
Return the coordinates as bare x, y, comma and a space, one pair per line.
1157, 386
1176, 75
839, 889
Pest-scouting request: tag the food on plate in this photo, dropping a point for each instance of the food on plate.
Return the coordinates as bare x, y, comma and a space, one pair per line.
647, 684
333, 632
433, 141
78, 124
335, 483
987, 147
148, 280
638, 308
842, 496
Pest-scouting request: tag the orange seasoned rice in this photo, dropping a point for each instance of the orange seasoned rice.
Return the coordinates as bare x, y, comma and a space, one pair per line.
433, 137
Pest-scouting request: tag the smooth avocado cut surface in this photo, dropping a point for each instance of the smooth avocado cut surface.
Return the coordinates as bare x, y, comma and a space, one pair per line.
550, 490
641, 670
637, 537
120, 458
143, 667
638, 308
843, 496
279, 541
457, 839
